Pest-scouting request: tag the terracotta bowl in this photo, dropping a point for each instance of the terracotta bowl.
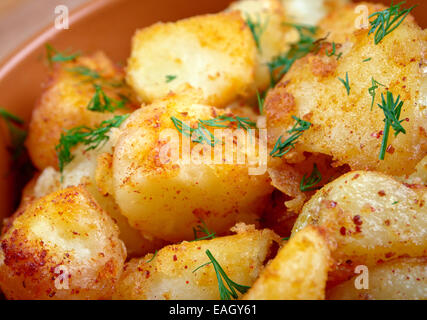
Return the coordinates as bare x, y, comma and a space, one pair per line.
107, 25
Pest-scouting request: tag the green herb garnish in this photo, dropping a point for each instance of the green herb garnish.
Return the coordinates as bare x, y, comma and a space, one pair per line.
346, 83
152, 258
219, 122
366, 60
261, 101
392, 110
280, 65
333, 52
100, 102
308, 184
387, 21
85, 71
203, 229
257, 29
90, 137
372, 90
54, 56
170, 78
224, 292
283, 147
17, 134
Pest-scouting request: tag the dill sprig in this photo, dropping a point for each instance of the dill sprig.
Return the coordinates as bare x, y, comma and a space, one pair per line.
170, 78
203, 229
387, 21
17, 134
90, 137
281, 64
228, 289
283, 147
346, 83
85, 71
100, 102
261, 102
333, 52
392, 110
202, 134
54, 55
257, 29
367, 60
308, 184
152, 258
372, 90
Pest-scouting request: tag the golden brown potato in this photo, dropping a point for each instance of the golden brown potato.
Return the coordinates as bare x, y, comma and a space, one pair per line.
420, 174
267, 18
167, 198
64, 104
81, 172
298, 272
169, 274
401, 279
215, 53
63, 246
343, 125
372, 217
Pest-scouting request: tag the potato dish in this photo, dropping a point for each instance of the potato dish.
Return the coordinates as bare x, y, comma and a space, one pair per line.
276, 150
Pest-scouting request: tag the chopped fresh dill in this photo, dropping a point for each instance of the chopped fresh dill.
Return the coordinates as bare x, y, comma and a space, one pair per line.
392, 110
17, 134
346, 83
387, 21
152, 258
203, 229
228, 289
100, 102
283, 147
54, 56
257, 29
333, 52
261, 101
368, 59
308, 184
281, 64
90, 137
218, 122
170, 78
372, 90
85, 71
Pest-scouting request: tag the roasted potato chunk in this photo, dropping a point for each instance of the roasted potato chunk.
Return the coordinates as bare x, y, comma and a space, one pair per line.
372, 217
82, 171
343, 125
63, 246
298, 272
169, 274
167, 198
215, 53
64, 104
401, 279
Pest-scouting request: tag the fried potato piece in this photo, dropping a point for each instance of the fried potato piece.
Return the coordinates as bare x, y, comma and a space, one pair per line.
343, 126
420, 174
165, 194
215, 53
63, 246
298, 272
82, 171
401, 279
169, 274
310, 12
372, 217
64, 103
267, 18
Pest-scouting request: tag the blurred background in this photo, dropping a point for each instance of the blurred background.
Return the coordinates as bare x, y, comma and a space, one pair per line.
20, 19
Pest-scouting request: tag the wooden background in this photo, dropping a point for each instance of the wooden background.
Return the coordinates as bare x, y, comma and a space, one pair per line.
20, 19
